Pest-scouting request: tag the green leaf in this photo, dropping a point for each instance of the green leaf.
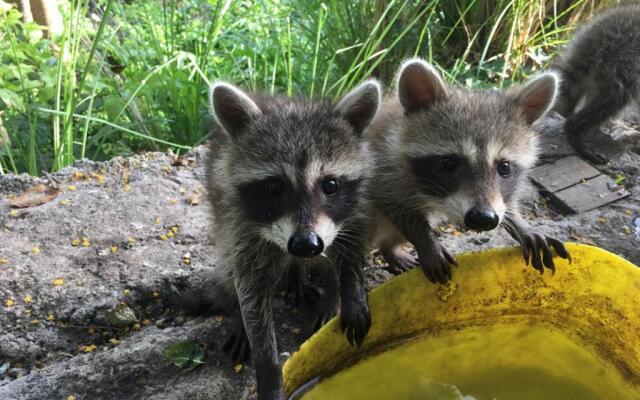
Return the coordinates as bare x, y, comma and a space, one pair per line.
121, 315
185, 354
11, 99
46, 93
112, 105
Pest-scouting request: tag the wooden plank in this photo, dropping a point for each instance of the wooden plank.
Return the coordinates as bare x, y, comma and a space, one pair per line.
588, 195
562, 174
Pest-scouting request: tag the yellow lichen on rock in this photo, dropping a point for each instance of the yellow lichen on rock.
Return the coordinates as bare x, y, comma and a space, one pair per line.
87, 348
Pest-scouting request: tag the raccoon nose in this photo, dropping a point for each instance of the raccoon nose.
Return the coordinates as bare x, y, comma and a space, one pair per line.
305, 245
481, 220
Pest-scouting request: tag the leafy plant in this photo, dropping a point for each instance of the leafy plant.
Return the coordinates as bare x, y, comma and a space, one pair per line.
132, 76
185, 354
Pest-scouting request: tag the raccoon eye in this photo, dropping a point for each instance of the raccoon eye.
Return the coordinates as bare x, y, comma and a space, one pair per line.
330, 186
450, 163
504, 168
273, 187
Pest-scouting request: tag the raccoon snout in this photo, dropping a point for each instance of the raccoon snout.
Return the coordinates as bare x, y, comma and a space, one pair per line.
481, 219
305, 244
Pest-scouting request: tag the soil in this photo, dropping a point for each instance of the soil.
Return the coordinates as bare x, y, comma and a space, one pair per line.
119, 231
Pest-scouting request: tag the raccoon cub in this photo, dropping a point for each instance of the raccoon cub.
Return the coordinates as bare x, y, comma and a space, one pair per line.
600, 71
286, 181
464, 154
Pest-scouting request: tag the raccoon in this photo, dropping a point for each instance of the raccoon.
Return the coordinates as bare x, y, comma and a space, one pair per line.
449, 151
287, 181
600, 71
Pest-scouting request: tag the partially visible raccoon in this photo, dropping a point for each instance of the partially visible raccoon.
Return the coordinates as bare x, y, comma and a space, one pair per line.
287, 181
464, 154
600, 72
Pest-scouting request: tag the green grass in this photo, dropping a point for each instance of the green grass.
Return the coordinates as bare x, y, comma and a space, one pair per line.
125, 78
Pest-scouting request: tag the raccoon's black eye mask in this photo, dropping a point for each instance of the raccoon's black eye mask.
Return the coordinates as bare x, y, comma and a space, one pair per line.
440, 175
269, 199
450, 163
339, 204
273, 186
266, 200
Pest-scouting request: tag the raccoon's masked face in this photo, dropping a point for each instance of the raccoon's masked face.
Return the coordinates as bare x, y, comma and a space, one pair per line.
302, 218
298, 169
470, 151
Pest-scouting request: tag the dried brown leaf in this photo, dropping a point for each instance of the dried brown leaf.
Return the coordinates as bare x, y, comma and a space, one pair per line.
181, 161
194, 199
35, 196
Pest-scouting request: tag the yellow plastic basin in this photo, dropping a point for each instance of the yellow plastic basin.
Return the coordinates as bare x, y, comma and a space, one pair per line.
500, 331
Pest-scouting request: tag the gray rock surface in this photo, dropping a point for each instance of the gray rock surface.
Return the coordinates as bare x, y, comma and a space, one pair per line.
108, 236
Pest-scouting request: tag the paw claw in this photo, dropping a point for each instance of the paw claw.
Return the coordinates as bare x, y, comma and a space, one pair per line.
436, 263
398, 260
300, 291
537, 249
237, 346
357, 320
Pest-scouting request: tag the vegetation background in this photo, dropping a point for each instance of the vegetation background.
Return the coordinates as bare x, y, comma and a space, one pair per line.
127, 76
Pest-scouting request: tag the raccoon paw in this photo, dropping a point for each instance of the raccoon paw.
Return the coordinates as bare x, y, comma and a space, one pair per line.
320, 320
593, 157
583, 150
537, 249
300, 291
355, 321
436, 262
237, 346
399, 260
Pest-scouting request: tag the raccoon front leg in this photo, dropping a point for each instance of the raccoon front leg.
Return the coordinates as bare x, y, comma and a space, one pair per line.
322, 303
301, 292
390, 242
583, 123
237, 346
327, 305
536, 248
399, 259
355, 317
434, 259
255, 294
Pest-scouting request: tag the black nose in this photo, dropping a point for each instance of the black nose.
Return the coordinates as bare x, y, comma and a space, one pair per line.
481, 220
305, 245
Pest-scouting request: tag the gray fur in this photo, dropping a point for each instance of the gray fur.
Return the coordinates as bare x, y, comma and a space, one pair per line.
258, 136
600, 70
426, 119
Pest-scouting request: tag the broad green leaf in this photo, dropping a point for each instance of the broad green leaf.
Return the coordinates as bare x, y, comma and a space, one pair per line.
185, 354
121, 315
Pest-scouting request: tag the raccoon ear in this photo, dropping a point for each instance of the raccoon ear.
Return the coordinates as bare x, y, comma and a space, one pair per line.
537, 96
231, 108
419, 85
360, 105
